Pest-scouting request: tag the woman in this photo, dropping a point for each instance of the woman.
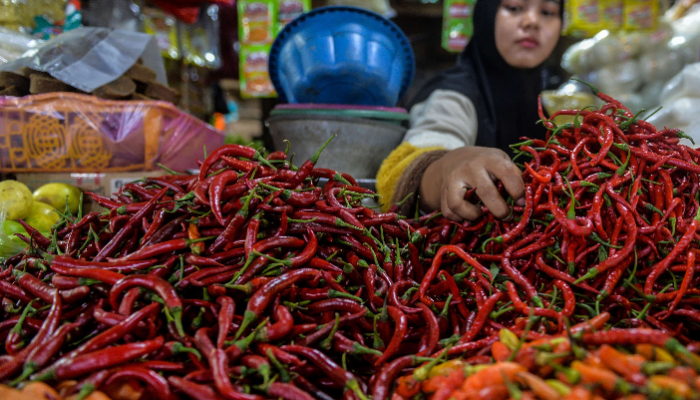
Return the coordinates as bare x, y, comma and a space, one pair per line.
463, 120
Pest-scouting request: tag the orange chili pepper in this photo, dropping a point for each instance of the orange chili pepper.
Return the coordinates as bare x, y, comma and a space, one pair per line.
624, 364
193, 233
492, 376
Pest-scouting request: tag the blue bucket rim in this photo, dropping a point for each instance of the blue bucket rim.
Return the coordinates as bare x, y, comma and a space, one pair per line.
290, 28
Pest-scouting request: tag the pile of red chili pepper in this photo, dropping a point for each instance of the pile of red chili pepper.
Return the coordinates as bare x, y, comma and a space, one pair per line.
576, 367
251, 281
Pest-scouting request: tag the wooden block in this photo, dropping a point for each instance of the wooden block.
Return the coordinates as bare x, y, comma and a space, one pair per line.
120, 89
162, 92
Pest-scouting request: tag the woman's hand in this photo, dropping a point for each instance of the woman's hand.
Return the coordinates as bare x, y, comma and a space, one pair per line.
446, 181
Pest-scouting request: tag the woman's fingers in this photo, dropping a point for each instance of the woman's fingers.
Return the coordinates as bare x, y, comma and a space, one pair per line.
453, 205
507, 172
488, 193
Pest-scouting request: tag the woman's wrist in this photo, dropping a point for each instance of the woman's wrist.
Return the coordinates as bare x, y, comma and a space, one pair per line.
431, 186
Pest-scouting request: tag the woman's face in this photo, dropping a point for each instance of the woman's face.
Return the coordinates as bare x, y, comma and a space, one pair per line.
527, 31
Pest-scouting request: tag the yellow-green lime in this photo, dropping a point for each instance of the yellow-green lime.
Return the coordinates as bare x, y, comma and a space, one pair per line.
12, 227
42, 217
55, 195
17, 197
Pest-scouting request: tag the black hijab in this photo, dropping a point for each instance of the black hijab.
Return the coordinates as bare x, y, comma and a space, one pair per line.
505, 97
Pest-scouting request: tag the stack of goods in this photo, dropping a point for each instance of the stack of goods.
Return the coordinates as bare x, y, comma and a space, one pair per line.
138, 83
634, 65
584, 18
259, 21
248, 281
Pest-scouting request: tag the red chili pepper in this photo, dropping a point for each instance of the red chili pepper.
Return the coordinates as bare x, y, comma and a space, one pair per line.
216, 189
432, 272
433, 329
324, 330
306, 168
218, 362
157, 384
333, 370
158, 285
230, 150
280, 328
106, 276
571, 225
662, 266
388, 374
41, 355
104, 358
400, 326
35, 235
685, 284
252, 234
524, 309
287, 391
260, 300
265, 349
118, 239
45, 292
233, 227
116, 265
14, 292
569, 298
261, 171
481, 317
194, 390
226, 313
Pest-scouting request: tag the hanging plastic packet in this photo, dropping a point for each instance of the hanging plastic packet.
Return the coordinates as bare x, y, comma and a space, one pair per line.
200, 41
255, 78
583, 17
457, 26
612, 14
641, 15
288, 10
163, 27
257, 21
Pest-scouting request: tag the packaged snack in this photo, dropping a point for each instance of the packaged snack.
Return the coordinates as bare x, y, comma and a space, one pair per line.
163, 27
457, 24
255, 78
641, 14
612, 14
257, 20
584, 17
288, 10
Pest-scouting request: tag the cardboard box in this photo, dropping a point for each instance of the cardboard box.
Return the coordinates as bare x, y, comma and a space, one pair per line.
104, 183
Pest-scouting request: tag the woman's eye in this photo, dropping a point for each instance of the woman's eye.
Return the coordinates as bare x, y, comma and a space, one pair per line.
550, 11
513, 6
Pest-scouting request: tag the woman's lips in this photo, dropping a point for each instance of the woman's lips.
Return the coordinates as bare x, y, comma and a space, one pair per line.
529, 43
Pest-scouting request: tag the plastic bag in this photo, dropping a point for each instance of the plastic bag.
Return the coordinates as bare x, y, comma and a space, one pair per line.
684, 84
68, 132
680, 114
680, 99
87, 58
14, 44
